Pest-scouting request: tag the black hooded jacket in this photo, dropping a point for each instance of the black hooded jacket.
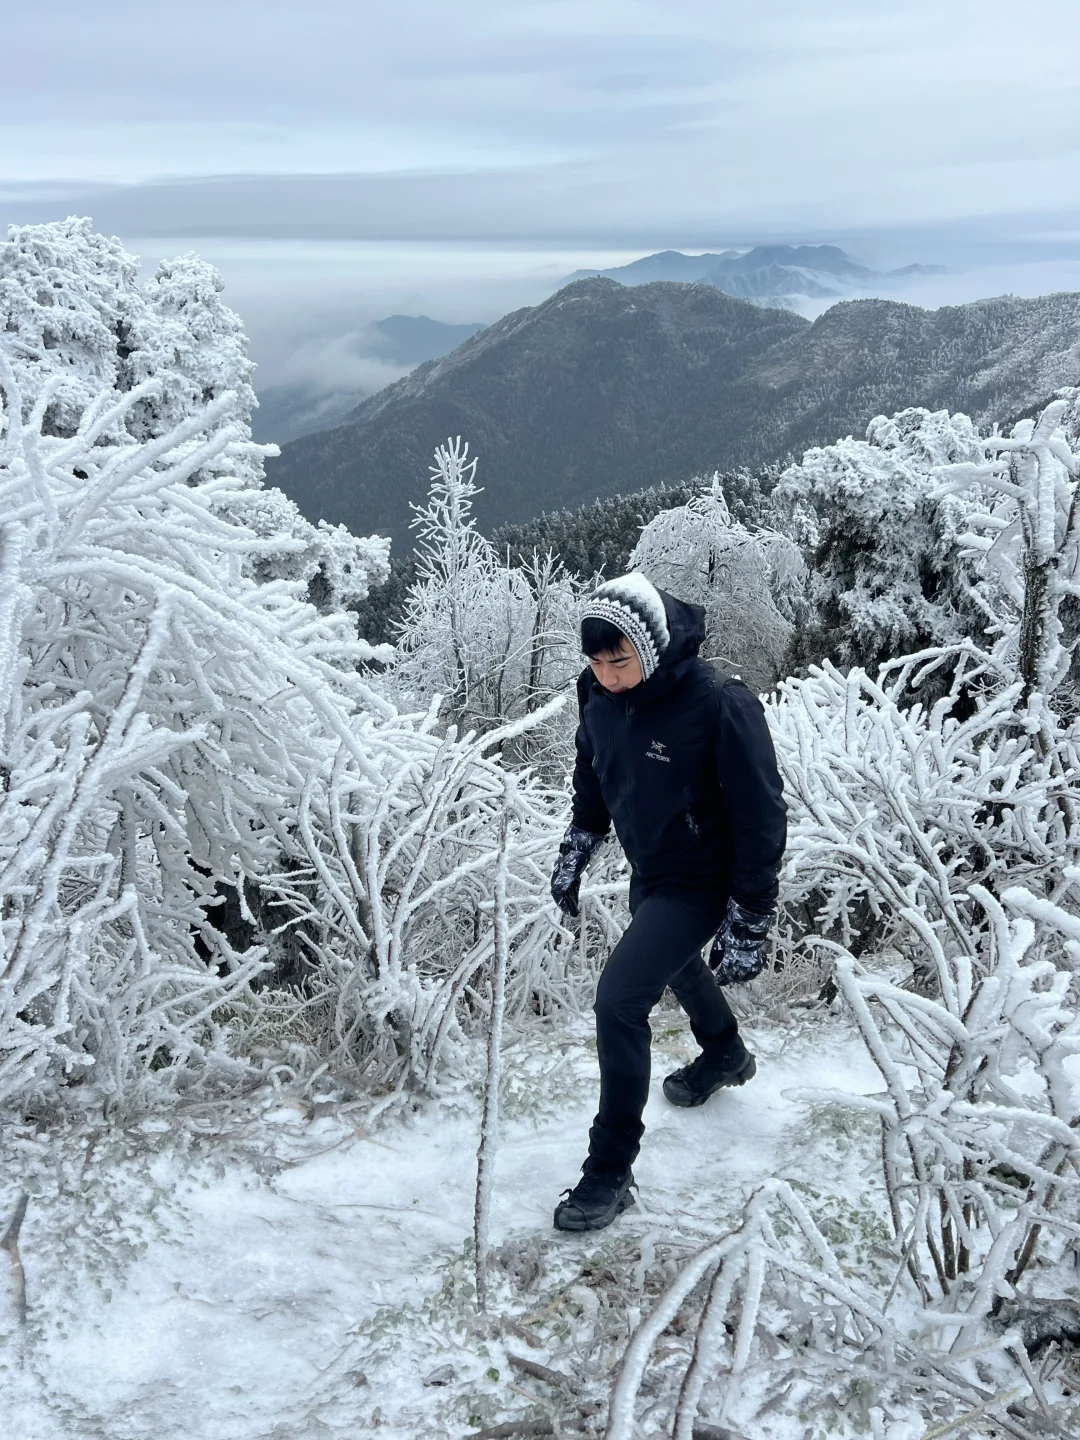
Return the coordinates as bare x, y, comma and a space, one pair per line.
686, 770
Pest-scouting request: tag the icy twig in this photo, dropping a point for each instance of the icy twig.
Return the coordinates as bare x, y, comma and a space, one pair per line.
512, 1429
996, 1402
485, 1157
515, 1328
539, 1372
9, 1241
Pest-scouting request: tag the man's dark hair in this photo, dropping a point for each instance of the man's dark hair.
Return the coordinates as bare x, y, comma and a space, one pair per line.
600, 637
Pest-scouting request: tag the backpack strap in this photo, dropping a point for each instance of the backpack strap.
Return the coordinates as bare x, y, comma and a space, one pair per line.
722, 677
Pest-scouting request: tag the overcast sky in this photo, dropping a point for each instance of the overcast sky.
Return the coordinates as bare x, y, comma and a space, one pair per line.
564, 131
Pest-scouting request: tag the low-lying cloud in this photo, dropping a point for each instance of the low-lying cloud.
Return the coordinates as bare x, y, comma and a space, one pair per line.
345, 362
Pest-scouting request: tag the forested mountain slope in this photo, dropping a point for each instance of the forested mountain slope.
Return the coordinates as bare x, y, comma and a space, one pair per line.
604, 389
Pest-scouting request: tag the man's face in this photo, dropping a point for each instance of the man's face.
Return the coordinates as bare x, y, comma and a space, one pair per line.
617, 670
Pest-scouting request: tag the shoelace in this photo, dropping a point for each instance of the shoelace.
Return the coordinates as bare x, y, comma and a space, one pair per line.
590, 1181
688, 1070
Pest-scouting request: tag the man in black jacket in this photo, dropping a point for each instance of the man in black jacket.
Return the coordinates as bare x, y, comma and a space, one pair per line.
683, 764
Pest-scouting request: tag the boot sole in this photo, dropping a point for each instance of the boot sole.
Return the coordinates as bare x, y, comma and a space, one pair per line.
601, 1222
748, 1071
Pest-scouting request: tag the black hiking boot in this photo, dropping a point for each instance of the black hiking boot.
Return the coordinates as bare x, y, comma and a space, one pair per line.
694, 1083
598, 1198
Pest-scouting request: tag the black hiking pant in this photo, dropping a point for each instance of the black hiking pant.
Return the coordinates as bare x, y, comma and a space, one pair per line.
661, 946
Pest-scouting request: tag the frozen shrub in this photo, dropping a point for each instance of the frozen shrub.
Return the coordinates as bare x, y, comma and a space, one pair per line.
885, 577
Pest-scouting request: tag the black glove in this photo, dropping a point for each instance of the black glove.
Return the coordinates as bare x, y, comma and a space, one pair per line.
577, 845
738, 952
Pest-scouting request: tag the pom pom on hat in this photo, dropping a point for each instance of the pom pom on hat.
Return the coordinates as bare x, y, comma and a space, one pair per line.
633, 605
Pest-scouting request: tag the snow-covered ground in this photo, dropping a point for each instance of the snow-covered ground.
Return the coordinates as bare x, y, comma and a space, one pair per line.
283, 1272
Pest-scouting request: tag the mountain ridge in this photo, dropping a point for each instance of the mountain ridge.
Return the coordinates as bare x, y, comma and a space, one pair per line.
603, 389
766, 272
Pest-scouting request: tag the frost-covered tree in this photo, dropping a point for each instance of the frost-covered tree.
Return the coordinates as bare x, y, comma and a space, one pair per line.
336, 567
173, 730
1028, 541
182, 332
498, 640
201, 786
916, 831
77, 324
886, 577
973, 785
166, 688
66, 298
77, 320
751, 582
162, 713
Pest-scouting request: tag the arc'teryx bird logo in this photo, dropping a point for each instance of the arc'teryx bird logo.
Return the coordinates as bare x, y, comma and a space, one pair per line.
656, 752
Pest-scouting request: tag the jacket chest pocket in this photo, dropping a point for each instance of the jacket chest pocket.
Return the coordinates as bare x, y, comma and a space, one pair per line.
683, 762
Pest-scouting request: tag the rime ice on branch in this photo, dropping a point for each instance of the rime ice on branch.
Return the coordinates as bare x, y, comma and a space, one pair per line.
193, 755
750, 582
497, 640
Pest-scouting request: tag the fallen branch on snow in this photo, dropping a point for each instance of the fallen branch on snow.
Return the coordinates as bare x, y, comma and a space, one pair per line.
10, 1243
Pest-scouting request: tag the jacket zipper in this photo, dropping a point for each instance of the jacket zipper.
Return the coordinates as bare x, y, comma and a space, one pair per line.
628, 777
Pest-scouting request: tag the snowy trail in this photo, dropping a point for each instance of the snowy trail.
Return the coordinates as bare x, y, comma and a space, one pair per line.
306, 1301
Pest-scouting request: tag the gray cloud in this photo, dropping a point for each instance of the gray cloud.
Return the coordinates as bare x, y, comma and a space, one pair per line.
338, 161
605, 113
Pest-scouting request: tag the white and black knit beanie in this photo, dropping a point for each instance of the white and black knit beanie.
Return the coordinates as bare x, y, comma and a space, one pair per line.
633, 605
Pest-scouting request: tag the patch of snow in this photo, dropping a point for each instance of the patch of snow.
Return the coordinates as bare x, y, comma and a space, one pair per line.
274, 1258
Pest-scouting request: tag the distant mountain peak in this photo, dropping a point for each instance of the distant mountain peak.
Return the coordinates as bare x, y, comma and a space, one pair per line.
411, 339
664, 265
768, 273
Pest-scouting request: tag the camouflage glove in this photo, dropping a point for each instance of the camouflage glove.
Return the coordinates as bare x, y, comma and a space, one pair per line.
738, 952
577, 845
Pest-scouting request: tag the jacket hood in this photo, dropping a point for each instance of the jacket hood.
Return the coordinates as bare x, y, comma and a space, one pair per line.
686, 623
